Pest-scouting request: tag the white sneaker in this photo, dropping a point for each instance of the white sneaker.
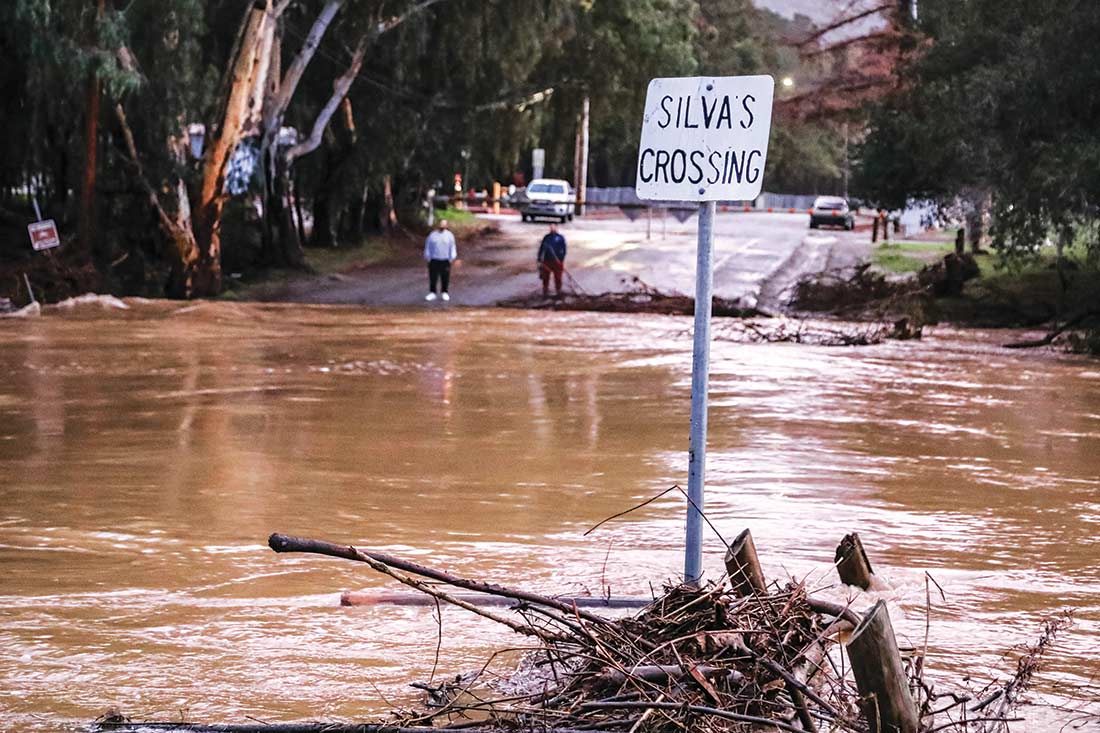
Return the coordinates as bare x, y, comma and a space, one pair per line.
429, 296
446, 296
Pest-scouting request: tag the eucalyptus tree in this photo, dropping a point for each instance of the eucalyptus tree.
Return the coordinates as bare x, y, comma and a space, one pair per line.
360, 25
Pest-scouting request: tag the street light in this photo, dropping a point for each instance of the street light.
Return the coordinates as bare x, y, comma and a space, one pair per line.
787, 82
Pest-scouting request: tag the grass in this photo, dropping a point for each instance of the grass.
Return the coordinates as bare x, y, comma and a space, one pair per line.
320, 261
904, 256
329, 260
1006, 291
455, 216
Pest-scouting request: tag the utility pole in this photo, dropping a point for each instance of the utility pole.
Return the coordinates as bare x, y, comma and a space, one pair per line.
844, 131
580, 158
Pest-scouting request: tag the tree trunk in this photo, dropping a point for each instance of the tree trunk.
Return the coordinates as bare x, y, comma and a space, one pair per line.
87, 222
880, 677
324, 223
975, 219
389, 215
360, 226
299, 217
1065, 239
282, 246
324, 199
743, 566
327, 203
184, 255
227, 134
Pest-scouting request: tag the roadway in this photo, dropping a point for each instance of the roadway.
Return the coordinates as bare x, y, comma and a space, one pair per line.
757, 258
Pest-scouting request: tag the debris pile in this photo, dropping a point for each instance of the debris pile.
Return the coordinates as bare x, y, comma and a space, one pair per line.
862, 293
636, 297
737, 655
811, 333
698, 659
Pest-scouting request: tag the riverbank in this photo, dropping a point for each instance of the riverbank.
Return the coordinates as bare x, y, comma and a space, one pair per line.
925, 282
765, 264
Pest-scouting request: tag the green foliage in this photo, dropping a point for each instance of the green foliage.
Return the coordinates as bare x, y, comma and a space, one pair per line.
804, 156
466, 86
1005, 98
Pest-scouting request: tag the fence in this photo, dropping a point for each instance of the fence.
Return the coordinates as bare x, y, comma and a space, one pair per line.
625, 199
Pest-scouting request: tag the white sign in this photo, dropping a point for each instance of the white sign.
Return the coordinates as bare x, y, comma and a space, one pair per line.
705, 138
44, 235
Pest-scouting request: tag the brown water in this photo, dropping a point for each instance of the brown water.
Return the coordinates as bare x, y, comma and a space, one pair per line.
145, 455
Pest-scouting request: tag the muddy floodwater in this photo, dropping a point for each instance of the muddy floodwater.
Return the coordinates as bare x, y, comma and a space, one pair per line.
146, 454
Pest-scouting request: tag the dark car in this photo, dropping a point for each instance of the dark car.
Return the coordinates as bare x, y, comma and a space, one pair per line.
831, 211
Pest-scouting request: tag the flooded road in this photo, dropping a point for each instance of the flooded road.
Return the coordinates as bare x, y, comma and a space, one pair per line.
146, 454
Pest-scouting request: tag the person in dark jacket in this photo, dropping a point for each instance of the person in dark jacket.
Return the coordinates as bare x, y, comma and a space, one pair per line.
551, 260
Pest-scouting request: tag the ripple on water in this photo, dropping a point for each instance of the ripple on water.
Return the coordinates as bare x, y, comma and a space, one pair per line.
147, 454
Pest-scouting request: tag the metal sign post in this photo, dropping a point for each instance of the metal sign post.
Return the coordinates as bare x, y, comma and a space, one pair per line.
43, 233
700, 379
703, 139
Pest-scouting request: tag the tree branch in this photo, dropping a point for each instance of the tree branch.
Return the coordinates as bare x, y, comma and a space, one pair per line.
388, 25
848, 42
1058, 331
165, 221
284, 543
343, 83
841, 23
339, 91
297, 68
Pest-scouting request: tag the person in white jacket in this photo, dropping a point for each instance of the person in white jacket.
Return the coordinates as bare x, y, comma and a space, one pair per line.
439, 253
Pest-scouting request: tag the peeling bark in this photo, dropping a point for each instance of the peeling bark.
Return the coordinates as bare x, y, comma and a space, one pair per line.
227, 135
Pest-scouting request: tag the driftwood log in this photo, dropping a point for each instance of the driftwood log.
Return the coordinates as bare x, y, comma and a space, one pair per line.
306, 727
390, 598
285, 543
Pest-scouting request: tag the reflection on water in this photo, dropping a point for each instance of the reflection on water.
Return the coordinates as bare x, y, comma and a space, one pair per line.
146, 455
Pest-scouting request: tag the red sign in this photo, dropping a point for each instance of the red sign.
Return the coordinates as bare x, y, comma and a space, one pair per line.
44, 235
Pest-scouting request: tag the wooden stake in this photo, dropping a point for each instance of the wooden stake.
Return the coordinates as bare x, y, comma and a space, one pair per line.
876, 663
743, 567
851, 562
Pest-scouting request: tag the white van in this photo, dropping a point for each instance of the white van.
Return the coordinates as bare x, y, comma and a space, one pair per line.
548, 197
